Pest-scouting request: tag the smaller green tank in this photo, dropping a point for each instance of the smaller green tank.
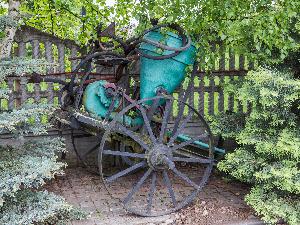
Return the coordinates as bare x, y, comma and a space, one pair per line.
97, 102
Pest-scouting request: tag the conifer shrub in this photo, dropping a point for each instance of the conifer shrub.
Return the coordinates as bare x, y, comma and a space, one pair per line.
26, 165
268, 156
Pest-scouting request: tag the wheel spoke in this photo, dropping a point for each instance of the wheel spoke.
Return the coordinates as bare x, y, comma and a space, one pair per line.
137, 186
125, 159
188, 142
147, 123
82, 135
128, 154
151, 193
126, 171
195, 159
177, 130
169, 186
152, 109
166, 117
185, 178
131, 134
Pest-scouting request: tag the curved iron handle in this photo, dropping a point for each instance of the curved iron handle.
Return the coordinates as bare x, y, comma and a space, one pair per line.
186, 42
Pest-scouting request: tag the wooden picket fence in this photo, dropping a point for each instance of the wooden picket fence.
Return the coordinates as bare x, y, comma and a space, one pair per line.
208, 94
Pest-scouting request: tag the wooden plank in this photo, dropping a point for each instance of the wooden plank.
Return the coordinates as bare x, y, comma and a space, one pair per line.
61, 57
241, 62
223, 72
17, 90
231, 67
21, 49
221, 79
73, 55
211, 99
24, 94
11, 99
201, 96
241, 67
49, 55
35, 49
231, 60
231, 98
50, 91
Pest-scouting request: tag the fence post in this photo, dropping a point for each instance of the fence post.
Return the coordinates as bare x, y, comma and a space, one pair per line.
35, 49
221, 78
231, 67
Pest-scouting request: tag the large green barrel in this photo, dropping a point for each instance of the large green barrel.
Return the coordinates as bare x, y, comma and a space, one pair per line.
166, 73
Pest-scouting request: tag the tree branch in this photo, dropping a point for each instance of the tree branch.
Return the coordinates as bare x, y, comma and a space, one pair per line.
10, 31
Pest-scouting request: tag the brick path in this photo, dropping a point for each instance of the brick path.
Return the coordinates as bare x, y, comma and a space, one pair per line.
85, 190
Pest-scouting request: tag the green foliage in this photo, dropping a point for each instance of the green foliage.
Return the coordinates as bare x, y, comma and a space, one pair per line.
269, 139
21, 67
65, 18
273, 205
259, 29
229, 123
26, 165
38, 208
242, 165
5, 21
265, 29
26, 120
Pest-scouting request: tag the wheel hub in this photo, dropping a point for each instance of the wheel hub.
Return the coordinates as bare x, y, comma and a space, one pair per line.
159, 157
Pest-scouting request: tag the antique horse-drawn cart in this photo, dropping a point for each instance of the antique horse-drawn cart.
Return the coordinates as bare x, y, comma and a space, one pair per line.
155, 152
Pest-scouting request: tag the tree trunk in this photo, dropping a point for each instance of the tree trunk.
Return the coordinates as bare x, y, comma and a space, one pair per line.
7, 42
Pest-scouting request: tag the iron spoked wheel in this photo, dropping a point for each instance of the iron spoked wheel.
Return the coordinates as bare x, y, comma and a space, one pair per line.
169, 169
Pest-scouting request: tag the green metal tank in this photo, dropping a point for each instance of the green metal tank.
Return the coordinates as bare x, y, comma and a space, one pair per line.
167, 73
97, 103
95, 100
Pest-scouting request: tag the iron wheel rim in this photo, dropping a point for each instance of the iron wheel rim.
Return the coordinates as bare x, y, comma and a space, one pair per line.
150, 171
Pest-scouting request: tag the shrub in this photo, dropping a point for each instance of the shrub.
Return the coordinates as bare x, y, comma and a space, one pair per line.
268, 155
25, 165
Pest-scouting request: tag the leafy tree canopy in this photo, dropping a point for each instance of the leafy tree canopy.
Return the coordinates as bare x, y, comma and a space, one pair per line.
261, 29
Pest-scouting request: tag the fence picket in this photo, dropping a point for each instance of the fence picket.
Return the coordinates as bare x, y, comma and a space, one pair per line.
49, 55
201, 95
61, 57
211, 96
65, 47
35, 49
221, 79
21, 49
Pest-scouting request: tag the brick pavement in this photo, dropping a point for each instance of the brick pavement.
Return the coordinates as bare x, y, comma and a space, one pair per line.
85, 190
